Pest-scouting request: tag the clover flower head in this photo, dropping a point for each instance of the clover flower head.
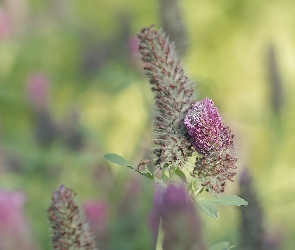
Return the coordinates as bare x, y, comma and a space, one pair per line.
204, 124
214, 143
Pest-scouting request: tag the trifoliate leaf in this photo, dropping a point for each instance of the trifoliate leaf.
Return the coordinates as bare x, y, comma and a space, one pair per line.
207, 208
117, 159
226, 200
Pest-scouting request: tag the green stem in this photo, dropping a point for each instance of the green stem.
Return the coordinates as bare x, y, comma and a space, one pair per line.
159, 243
199, 190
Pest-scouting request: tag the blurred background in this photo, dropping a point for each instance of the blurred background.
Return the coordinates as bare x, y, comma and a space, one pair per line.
72, 89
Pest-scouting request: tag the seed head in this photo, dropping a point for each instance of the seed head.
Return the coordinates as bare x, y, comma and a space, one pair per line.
174, 95
215, 169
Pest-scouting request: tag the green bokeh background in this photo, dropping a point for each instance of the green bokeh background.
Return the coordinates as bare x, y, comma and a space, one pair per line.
227, 57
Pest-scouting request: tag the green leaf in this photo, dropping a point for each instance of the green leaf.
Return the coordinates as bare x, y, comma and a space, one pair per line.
207, 208
117, 159
179, 173
147, 173
230, 247
226, 200
220, 246
165, 177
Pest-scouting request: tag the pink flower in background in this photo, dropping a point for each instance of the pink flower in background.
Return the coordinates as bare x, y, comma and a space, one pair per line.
14, 228
134, 53
11, 209
46, 128
97, 214
38, 90
5, 24
133, 45
179, 219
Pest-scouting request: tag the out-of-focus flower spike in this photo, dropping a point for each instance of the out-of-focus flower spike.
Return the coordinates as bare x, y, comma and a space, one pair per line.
179, 219
173, 24
275, 80
70, 227
252, 232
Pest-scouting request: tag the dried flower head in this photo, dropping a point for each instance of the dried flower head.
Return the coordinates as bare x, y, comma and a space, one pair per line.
214, 170
174, 95
70, 228
214, 142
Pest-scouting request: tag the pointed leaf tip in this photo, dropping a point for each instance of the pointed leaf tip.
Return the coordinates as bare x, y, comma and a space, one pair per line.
117, 159
224, 245
226, 200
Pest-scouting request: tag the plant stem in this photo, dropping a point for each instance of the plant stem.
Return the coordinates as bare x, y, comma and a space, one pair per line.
199, 190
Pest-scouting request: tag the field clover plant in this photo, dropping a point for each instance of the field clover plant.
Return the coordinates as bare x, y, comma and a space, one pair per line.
185, 129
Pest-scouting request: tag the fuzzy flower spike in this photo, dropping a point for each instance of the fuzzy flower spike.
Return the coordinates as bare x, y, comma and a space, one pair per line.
173, 95
214, 142
71, 231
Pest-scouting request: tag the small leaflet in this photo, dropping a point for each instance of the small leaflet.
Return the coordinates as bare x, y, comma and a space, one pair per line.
224, 245
207, 208
117, 159
226, 200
